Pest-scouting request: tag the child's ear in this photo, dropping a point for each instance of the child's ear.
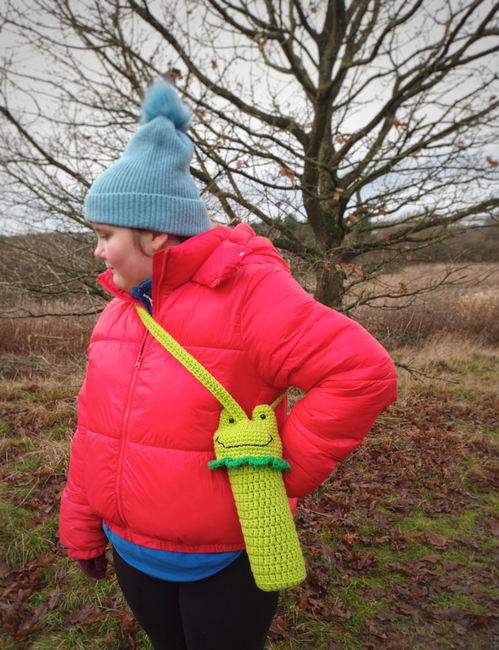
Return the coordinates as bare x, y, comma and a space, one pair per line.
152, 241
159, 240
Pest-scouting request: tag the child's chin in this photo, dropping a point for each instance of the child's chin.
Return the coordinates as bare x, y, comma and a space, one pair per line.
121, 283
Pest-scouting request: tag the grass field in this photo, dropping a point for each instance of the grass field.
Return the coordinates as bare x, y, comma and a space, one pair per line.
402, 542
466, 303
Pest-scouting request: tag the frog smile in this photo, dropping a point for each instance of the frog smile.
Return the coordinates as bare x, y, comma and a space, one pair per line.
247, 445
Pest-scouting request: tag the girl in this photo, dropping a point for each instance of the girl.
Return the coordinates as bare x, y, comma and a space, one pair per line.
139, 472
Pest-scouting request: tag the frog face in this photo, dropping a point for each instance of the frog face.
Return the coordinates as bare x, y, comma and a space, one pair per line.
236, 438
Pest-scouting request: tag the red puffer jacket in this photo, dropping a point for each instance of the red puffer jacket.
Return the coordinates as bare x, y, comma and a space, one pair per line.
140, 454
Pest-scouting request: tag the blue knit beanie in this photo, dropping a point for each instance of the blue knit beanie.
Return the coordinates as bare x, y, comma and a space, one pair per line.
150, 186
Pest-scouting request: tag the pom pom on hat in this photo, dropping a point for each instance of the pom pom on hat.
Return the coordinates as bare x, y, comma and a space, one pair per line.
162, 100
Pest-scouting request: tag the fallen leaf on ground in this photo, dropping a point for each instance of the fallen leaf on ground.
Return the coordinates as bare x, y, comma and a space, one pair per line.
435, 538
85, 616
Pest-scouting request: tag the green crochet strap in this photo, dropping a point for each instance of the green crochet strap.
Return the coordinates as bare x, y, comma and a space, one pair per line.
279, 400
278, 464
187, 360
196, 368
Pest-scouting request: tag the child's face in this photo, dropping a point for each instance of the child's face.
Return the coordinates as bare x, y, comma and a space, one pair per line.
118, 247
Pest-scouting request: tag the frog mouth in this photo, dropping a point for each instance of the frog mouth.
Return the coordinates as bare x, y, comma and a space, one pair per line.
247, 445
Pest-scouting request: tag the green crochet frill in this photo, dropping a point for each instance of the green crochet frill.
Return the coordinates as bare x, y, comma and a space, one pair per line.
278, 464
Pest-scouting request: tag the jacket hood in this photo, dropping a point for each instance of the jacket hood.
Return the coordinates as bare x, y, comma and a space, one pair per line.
208, 258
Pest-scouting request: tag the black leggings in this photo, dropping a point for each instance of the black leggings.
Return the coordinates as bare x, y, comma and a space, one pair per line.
225, 611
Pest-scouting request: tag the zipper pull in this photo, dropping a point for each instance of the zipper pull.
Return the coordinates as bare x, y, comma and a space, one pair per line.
141, 353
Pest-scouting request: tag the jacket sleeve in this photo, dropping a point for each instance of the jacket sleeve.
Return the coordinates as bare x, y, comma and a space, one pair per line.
348, 377
80, 530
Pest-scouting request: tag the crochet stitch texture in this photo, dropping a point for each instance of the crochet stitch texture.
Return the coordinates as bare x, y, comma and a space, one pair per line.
251, 450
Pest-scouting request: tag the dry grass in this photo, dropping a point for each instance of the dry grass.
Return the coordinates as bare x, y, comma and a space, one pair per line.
47, 334
450, 355
49, 416
467, 303
36, 346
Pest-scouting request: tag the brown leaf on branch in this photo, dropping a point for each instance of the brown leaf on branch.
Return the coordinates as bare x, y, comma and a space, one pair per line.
394, 121
174, 74
337, 192
382, 210
262, 43
359, 270
492, 162
345, 267
214, 64
239, 164
403, 288
341, 138
388, 240
289, 173
353, 218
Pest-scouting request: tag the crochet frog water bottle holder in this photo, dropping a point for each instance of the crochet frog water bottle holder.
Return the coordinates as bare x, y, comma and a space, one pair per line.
251, 450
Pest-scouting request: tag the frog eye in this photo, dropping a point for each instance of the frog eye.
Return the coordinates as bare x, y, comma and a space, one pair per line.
231, 420
263, 416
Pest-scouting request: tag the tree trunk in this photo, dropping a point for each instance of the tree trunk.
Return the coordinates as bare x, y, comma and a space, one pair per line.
329, 290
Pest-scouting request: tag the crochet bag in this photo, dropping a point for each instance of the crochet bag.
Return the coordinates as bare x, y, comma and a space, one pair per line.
251, 450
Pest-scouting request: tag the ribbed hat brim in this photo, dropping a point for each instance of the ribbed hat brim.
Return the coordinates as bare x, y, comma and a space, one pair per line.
186, 217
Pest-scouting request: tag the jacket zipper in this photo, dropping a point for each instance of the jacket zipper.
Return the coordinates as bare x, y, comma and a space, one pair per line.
124, 431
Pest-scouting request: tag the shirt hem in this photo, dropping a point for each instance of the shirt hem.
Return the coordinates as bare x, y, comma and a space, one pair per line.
167, 545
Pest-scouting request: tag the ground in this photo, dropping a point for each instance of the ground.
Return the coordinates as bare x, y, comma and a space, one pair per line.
401, 543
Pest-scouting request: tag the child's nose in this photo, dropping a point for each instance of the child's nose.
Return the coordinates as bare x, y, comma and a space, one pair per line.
99, 251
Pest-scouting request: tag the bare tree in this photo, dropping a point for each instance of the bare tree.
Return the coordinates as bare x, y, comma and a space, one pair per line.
352, 133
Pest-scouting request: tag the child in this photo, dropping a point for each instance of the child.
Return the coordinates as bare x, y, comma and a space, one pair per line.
139, 472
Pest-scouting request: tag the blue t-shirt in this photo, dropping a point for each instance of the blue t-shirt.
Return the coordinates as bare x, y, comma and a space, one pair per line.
170, 565
167, 565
